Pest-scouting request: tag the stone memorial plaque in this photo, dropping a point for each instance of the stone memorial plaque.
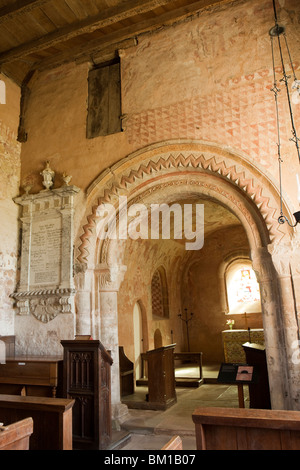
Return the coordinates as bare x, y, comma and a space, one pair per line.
45, 255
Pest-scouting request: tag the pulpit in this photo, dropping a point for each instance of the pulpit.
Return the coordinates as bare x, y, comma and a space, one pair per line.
161, 377
87, 380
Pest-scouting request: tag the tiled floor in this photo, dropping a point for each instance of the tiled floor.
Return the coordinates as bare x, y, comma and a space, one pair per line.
151, 429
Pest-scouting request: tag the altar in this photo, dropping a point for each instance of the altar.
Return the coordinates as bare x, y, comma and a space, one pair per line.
233, 341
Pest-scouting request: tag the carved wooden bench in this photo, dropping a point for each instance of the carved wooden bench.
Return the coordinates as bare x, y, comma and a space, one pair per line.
246, 429
52, 418
16, 436
174, 444
126, 373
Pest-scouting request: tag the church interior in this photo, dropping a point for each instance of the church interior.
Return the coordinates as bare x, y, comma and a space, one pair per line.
149, 244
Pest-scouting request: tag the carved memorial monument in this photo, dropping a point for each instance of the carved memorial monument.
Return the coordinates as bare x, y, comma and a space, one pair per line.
46, 286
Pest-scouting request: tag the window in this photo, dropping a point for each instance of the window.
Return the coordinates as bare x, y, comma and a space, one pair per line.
242, 289
104, 101
159, 294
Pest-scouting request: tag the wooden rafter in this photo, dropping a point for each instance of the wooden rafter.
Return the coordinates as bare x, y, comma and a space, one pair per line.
9, 12
87, 51
107, 17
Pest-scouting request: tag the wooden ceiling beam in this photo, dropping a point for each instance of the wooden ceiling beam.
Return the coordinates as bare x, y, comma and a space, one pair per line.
107, 17
87, 51
9, 12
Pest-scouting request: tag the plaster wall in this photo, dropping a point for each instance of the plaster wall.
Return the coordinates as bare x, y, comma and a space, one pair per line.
210, 78
55, 123
10, 167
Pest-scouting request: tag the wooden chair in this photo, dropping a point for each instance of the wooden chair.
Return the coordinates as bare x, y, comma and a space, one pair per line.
16, 436
174, 444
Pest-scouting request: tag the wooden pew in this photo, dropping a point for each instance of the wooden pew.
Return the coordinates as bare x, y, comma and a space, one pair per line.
9, 342
52, 418
174, 444
32, 375
126, 374
16, 436
246, 429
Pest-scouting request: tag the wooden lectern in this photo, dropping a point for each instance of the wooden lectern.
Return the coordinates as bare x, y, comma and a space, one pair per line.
87, 379
161, 377
259, 392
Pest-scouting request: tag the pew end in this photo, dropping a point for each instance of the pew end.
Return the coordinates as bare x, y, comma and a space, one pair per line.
174, 444
16, 436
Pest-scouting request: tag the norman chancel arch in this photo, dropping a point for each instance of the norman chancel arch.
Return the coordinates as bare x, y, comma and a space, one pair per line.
176, 172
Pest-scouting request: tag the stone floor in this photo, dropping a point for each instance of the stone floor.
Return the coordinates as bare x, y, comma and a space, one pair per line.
151, 429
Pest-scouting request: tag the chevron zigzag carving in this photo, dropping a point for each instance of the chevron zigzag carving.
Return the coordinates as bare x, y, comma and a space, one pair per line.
239, 178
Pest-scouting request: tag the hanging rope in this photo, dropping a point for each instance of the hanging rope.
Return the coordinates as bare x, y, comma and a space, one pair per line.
276, 32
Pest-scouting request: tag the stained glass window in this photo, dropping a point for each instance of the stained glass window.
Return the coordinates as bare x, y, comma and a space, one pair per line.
243, 291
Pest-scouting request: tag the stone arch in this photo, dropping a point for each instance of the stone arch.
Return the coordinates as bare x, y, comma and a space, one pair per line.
195, 169
132, 174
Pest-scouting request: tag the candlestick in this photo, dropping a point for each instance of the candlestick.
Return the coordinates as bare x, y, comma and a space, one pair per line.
186, 320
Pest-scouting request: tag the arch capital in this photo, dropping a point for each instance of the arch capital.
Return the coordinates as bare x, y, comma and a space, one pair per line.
110, 277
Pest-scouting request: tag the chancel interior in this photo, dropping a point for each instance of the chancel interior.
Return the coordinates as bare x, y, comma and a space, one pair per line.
112, 114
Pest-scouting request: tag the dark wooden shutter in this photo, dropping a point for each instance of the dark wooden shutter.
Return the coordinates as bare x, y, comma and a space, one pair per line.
104, 101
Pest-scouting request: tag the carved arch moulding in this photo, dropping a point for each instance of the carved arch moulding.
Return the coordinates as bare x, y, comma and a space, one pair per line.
148, 167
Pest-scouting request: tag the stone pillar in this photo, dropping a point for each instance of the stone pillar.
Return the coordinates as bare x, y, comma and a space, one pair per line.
283, 259
273, 323
109, 280
83, 283
295, 270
